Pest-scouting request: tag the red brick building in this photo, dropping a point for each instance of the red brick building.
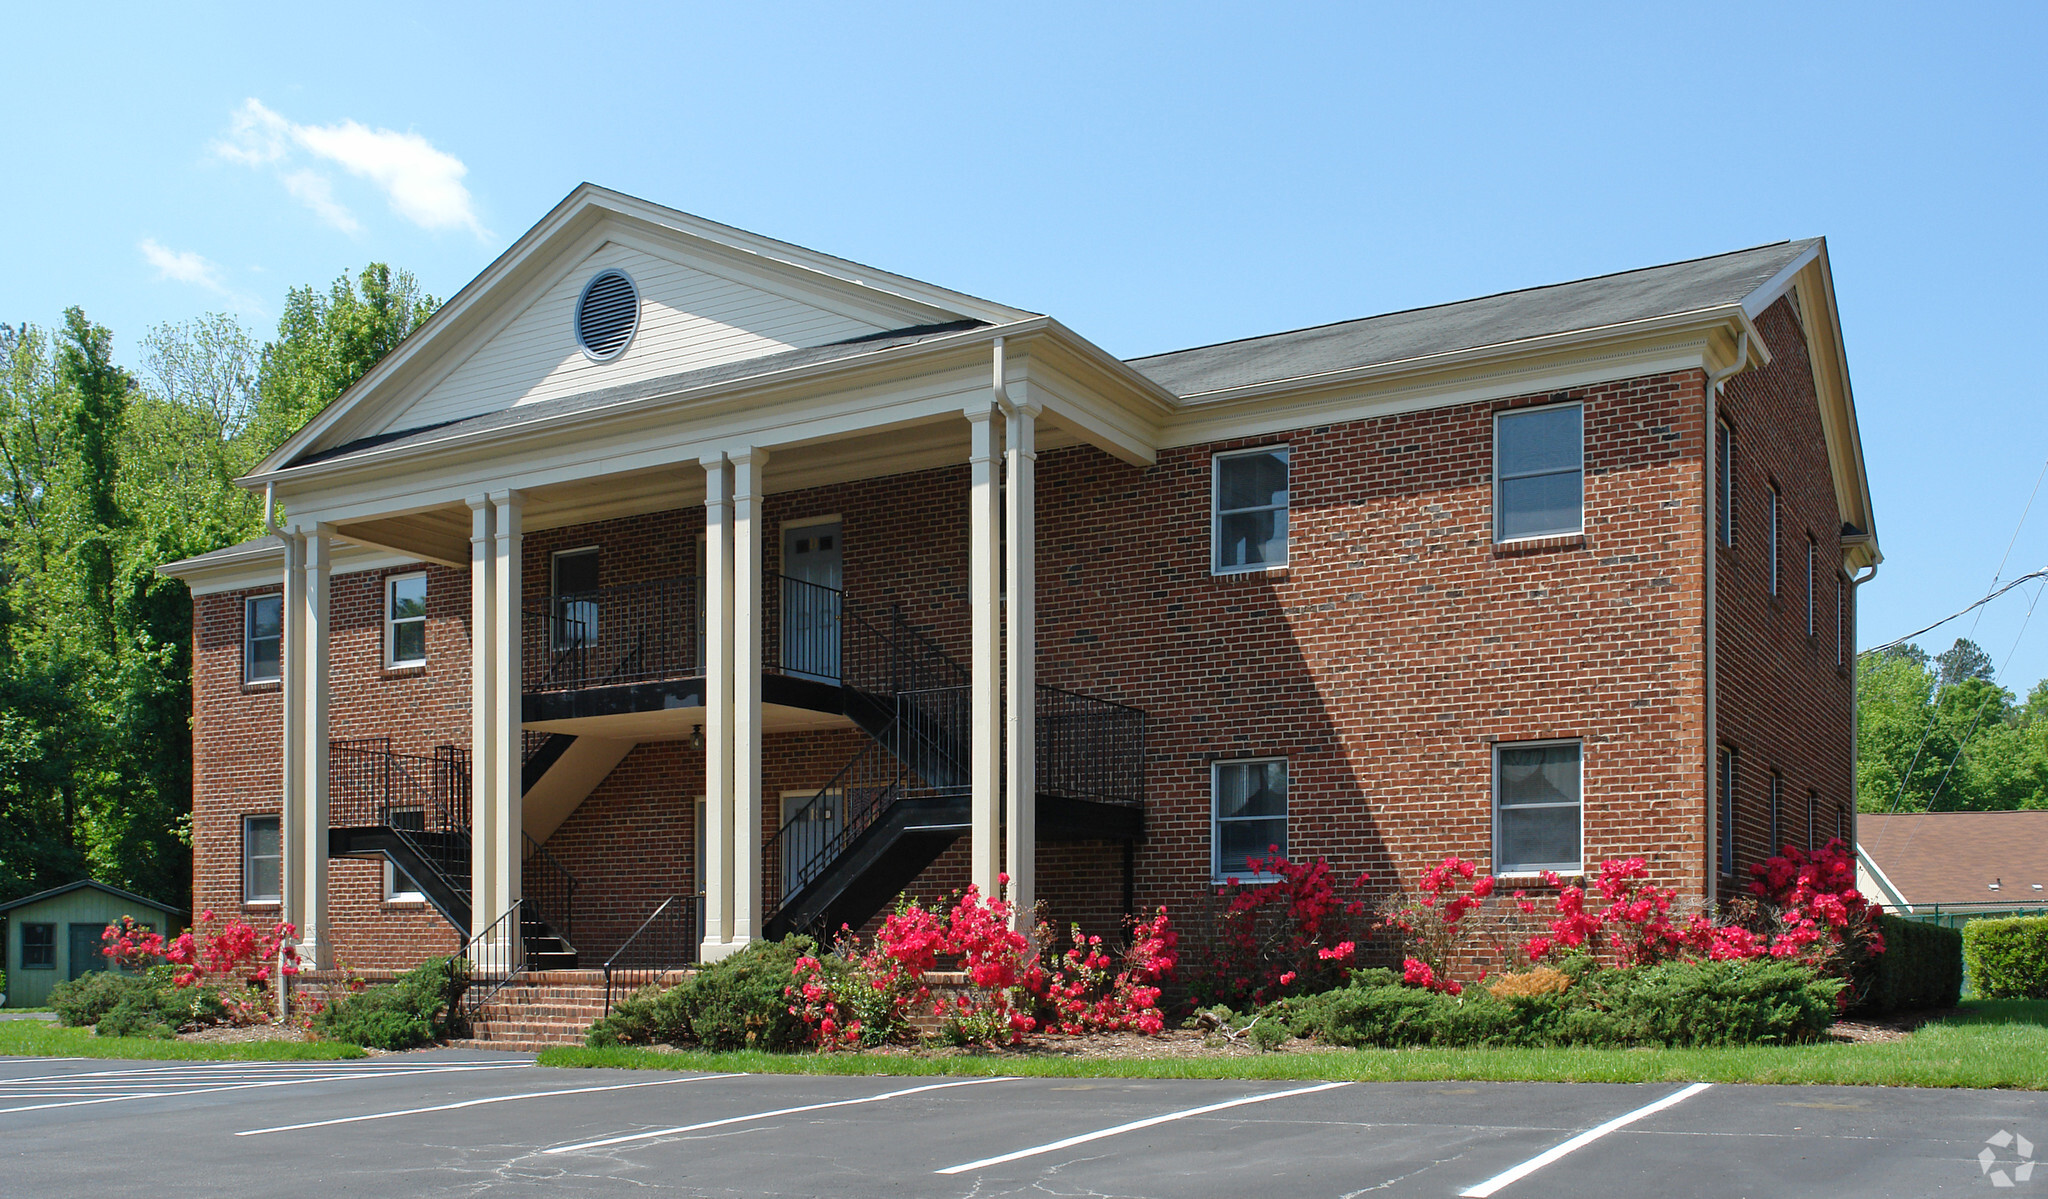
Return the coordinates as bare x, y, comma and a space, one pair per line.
670, 563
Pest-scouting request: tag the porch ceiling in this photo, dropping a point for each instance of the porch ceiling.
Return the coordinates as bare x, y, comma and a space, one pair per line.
676, 724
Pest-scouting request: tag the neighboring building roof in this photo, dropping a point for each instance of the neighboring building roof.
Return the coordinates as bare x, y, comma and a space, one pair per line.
1599, 302
1956, 857
724, 372
53, 892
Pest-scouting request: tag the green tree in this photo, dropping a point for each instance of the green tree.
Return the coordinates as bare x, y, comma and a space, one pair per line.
325, 343
1940, 734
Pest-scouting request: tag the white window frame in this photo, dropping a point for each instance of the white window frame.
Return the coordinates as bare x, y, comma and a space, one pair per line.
1507, 414
1217, 819
249, 897
1777, 796
391, 660
1217, 512
1536, 870
249, 638
396, 891
1724, 482
1775, 566
1812, 819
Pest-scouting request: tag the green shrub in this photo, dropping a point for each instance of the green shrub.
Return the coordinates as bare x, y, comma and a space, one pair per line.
2007, 959
1714, 1003
406, 1013
733, 1003
91, 995
1705, 1003
1921, 967
137, 1015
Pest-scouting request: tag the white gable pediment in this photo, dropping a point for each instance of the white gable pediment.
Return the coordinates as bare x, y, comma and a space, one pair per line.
690, 318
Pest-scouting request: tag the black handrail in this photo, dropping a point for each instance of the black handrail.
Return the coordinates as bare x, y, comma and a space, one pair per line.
630, 633
665, 943
1089, 748
550, 889
494, 958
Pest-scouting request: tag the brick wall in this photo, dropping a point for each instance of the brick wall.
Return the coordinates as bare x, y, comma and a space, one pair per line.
1783, 698
1384, 661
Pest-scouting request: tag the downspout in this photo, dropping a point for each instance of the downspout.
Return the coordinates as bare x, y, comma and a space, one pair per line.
270, 525
1856, 725
1713, 553
1002, 387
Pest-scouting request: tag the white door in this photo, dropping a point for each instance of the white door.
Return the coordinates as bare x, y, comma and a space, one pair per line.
810, 600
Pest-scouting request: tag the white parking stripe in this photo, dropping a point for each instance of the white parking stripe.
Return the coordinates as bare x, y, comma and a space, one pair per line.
207, 1088
449, 1107
1134, 1126
1580, 1141
785, 1111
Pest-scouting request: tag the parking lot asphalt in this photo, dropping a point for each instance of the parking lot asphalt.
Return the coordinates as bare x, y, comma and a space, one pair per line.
462, 1123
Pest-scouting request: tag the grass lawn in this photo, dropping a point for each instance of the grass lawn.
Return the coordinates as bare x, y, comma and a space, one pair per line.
1988, 1043
41, 1038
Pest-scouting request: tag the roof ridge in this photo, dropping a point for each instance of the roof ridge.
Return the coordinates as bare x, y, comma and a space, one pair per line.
1513, 291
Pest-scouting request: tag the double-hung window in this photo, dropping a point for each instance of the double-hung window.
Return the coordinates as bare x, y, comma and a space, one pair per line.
1841, 620
1730, 763
39, 947
1537, 797
1774, 540
575, 598
1777, 796
1539, 475
1812, 557
1248, 529
262, 860
1812, 820
1724, 485
262, 634
405, 620
1248, 814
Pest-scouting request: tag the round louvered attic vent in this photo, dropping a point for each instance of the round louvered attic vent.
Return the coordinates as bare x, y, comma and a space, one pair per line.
607, 314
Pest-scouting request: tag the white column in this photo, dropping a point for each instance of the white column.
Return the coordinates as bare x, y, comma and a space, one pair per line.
1021, 645
747, 523
507, 688
984, 845
483, 734
717, 867
292, 778
315, 945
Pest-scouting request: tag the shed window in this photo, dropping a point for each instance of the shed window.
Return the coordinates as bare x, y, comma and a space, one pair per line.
1249, 510
1539, 479
39, 947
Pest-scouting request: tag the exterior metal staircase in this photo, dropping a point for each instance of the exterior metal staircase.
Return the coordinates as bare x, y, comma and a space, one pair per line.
413, 810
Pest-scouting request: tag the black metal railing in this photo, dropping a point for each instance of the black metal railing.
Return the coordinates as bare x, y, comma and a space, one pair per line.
549, 889
492, 960
1090, 748
627, 634
370, 786
663, 946
803, 630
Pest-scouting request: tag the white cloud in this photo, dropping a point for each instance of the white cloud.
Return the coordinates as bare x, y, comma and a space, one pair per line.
316, 191
422, 183
184, 266
190, 266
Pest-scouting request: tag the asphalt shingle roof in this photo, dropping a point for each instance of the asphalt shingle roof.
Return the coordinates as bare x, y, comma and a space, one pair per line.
1954, 857
1468, 324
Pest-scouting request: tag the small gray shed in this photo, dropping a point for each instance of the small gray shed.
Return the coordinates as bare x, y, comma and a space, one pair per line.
54, 935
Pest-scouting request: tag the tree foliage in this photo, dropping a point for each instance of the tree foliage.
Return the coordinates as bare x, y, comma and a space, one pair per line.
1940, 734
105, 474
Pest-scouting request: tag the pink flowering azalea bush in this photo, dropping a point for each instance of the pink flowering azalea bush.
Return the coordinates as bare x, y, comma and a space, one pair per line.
221, 972
235, 962
866, 994
1298, 931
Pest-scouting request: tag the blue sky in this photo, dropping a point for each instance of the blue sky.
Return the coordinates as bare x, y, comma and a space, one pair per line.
1156, 176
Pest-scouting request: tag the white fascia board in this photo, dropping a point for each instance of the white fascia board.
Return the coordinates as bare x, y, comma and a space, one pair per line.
1777, 285
1884, 881
263, 566
1443, 381
1702, 317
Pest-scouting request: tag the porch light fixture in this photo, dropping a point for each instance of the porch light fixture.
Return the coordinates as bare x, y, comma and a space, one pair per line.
697, 737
